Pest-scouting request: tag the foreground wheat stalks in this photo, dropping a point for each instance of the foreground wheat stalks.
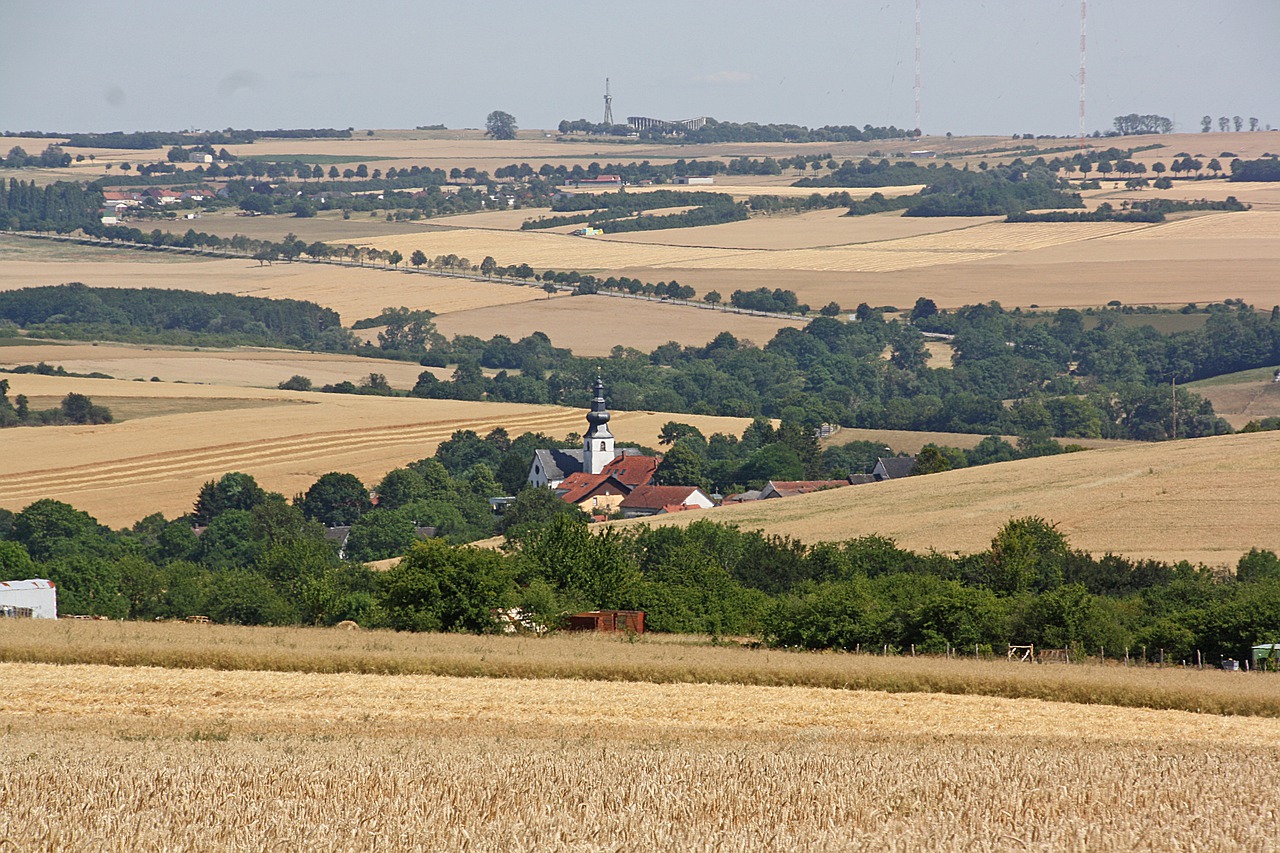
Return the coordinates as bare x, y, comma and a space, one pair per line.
124, 758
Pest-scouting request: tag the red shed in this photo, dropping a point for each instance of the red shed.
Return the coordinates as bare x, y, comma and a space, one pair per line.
608, 620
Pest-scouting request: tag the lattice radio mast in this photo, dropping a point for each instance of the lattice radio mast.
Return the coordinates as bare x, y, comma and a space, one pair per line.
1083, 11
917, 67
608, 104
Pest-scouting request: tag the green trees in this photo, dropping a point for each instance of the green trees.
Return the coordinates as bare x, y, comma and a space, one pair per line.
681, 466
231, 491
1136, 124
336, 499
440, 588
500, 125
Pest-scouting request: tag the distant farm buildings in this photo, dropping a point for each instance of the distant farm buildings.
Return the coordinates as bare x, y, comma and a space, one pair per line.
646, 123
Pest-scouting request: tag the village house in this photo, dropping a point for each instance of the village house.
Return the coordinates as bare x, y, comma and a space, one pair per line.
659, 500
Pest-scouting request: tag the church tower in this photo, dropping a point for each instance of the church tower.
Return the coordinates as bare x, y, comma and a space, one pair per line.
597, 445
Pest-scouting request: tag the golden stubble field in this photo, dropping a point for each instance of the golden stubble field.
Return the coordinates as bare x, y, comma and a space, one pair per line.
125, 758
594, 325
1204, 500
354, 292
121, 472
250, 367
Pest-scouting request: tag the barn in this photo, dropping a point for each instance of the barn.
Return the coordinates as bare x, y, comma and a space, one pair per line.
29, 599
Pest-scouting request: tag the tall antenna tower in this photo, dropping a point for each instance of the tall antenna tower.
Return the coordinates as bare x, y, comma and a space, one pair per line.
608, 104
917, 67
1083, 10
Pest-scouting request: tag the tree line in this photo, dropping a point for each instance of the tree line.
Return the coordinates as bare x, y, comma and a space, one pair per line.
62, 206
260, 560
171, 316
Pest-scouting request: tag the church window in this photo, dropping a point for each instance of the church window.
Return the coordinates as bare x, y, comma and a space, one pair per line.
602, 445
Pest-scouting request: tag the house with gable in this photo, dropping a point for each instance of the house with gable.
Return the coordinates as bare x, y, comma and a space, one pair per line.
659, 500
893, 467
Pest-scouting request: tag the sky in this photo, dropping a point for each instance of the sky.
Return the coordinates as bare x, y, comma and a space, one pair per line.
997, 67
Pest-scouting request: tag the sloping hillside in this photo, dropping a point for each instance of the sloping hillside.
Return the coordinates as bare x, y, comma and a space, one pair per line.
1204, 500
121, 472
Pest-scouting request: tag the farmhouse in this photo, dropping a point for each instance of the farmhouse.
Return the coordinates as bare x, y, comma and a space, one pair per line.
608, 181
29, 599
659, 500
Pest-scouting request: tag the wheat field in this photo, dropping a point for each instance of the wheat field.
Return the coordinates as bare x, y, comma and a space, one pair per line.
594, 325
1204, 500
124, 471
135, 758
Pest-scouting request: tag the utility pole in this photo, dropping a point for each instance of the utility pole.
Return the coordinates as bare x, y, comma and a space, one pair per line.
918, 68
1083, 11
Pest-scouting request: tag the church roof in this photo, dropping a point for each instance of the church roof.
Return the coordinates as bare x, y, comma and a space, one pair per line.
557, 464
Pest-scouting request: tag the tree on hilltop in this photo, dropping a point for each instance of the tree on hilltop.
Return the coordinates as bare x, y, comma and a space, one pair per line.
500, 125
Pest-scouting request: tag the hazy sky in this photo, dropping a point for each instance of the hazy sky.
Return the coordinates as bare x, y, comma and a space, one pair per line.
1000, 67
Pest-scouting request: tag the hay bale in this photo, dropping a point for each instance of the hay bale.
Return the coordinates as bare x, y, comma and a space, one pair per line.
347, 625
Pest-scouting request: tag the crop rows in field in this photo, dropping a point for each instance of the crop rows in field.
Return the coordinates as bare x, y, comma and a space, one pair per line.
1232, 224
211, 461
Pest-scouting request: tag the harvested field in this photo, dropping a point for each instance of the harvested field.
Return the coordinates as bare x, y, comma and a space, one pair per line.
122, 472
132, 408
243, 366
1234, 225
130, 758
1264, 196
541, 250
910, 441
354, 292
741, 191
801, 231
594, 325
326, 225
1205, 500
1242, 397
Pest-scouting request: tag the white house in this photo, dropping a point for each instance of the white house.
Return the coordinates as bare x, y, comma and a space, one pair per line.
31, 599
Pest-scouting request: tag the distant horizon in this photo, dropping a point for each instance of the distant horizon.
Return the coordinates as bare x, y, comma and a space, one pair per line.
991, 69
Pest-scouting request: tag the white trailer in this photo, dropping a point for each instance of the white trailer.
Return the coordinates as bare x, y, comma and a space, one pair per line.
32, 599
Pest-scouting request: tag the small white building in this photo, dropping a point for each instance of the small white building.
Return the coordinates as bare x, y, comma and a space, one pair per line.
30, 599
694, 180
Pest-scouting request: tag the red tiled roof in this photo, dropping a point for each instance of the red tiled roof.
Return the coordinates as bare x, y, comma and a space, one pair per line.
679, 508
578, 486
655, 497
633, 470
